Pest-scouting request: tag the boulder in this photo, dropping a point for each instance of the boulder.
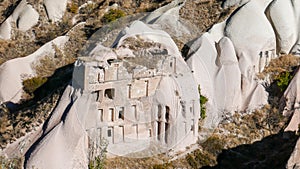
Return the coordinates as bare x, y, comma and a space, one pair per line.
285, 23
27, 18
55, 9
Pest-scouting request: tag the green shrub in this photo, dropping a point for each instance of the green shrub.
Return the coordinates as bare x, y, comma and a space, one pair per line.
283, 80
31, 84
112, 15
203, 101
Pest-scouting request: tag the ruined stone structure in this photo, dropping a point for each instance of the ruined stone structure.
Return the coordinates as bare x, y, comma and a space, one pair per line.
142, 102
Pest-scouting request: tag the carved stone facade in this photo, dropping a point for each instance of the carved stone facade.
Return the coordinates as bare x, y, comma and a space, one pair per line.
139, 105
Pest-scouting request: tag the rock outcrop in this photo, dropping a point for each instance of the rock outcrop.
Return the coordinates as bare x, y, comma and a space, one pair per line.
13, 72
292, 109
162, 101
223, 63
291, 98
294, 160
229, 3
285, 19
24, 16
55, 9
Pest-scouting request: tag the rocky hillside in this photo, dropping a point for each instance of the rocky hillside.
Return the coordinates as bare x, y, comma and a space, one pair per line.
244, 56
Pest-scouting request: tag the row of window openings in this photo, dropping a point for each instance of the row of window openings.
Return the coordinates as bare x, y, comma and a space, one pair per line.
120, 115
110, 92
101, 74
110, 131
161, 135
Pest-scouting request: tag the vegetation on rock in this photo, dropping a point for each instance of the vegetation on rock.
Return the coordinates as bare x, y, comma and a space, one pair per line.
98, 161
31, 84
203, 101
112, 15
283, 80
15, 163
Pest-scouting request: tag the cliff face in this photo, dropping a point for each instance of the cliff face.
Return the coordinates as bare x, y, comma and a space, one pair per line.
225, 64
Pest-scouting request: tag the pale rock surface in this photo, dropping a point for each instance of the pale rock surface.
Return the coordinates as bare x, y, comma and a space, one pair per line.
55, 9
230, 3
64, 142
226, 69
294, 160
5, 29
296, 48
217, 31
171, 22
102, 54
282, 14
292, 99
24, 15
138, 28
27, 18
217, 72
13, 71
153, 16
245, 26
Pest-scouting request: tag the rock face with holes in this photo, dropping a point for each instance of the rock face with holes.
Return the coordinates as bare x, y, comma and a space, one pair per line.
145, 103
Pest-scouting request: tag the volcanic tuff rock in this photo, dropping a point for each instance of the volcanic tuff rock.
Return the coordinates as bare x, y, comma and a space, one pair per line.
224, 62
24, 16
13, 72
291, 98
171, 90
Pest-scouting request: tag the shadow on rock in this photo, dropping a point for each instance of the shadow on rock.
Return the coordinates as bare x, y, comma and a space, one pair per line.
271, 152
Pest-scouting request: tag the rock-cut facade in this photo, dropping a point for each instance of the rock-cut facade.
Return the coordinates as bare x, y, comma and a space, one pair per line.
142, 102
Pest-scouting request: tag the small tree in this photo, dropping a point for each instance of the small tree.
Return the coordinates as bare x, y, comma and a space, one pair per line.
283, 80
